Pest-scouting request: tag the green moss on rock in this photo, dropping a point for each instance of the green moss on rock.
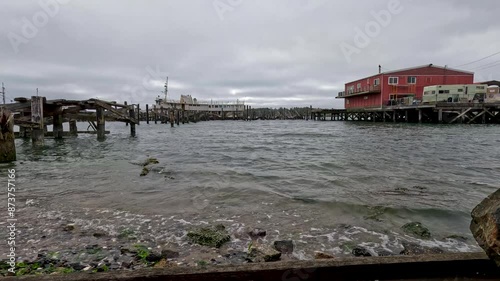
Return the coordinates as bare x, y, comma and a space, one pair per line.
417, 229
212, 237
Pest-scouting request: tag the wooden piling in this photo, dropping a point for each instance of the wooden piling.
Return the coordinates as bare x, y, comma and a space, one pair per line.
131, 115
57, 124
126, 123
73, 129
138, 114
419, 116
147, 114
7, 139
177, 117
37, 133
101, 122
171, 118
440, 116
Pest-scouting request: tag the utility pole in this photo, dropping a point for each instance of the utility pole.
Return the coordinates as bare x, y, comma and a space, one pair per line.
3, 93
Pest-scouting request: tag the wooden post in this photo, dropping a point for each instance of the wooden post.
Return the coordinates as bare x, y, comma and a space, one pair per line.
7, 139
177, 117
406, 116
37, 134
383, 118
126, 123
131, 114
394, 116
73, 129
420, 116
183, 116
223, 117
101, 122
138, 114
171, 118
57, 124
484, 117
147, 114
440, 116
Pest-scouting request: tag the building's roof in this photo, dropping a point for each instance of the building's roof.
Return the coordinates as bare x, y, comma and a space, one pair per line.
429, 66
438, 70
491, 83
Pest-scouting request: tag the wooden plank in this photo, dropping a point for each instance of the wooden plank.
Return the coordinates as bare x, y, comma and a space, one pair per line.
116, 112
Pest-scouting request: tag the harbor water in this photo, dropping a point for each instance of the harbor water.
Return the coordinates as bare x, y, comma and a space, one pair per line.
328, 186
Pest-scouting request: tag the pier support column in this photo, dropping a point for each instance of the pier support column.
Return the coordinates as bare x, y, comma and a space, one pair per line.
171, 118
126, 123
37, 133
73, 129
131, 114
222, 113
383, 117
406, 116
147, 114
7, 139
177, 117
394, 116
138, 114
440, 116
419, 116
101, 124
57, 124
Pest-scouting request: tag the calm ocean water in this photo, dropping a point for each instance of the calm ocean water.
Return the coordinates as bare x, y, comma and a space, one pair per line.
324, 185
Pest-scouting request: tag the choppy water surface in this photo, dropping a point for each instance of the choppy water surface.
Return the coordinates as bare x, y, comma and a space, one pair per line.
325, 185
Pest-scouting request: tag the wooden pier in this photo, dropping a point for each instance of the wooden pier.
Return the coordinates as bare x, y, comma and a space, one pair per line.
446, 113
33, 115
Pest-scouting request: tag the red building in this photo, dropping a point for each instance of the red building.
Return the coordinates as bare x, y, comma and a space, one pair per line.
387, 88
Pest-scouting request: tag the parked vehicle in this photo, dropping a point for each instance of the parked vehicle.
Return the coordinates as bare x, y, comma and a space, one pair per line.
454, 93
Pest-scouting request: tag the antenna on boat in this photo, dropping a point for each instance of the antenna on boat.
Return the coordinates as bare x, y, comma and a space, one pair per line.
3, 93
166, 89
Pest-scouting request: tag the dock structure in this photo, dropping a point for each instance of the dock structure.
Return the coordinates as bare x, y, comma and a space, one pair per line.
446, 113
33, 114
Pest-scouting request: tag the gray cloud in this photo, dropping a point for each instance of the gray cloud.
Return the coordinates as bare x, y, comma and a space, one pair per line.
279, 53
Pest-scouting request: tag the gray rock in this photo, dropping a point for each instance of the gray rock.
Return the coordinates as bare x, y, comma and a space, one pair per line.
485, 225
284, 246
412, 249
169, 254
417, 229
361, 252
263, 253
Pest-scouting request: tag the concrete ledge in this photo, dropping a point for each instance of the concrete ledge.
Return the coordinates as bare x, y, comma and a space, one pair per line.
463, 266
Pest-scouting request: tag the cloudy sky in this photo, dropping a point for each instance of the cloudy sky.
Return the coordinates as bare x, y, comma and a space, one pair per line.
268, 53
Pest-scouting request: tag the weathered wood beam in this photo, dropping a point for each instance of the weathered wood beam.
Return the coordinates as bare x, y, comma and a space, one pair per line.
101, 121
37, 132
7, 138
463, 114
477, 115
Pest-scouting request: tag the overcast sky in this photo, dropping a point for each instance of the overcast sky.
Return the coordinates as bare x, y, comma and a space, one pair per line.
268, 53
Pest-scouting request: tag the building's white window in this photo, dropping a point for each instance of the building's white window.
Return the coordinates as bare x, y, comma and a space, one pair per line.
376, 82
359, 86
350, 90
412, 80
393, 80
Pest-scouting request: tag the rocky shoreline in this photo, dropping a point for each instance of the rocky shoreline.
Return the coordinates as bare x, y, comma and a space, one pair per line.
207, 246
